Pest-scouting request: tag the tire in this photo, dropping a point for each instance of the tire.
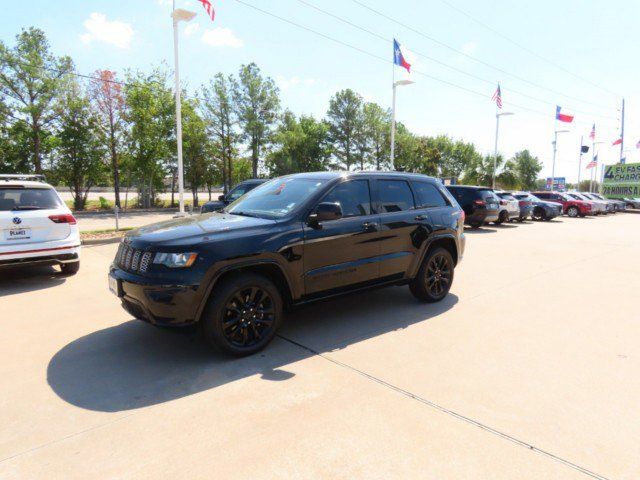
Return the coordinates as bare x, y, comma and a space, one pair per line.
438, 266
258, 304
573, 212
475, 226
70, 268
502, 217
539, 214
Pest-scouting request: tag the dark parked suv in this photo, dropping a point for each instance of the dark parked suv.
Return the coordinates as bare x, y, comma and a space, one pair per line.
292, 240
480, 204
232, 195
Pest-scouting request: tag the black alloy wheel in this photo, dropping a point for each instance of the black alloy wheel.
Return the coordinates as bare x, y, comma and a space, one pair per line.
539, 214
435, 277
242, 314
248, 317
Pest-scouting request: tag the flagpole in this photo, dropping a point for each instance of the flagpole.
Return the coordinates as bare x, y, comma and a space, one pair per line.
622, 133
495, 150
580, 161
555, 147
178, 112
393, 113
593, 157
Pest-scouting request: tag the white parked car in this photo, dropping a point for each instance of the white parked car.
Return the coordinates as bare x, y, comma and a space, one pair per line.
509, 207
36, 227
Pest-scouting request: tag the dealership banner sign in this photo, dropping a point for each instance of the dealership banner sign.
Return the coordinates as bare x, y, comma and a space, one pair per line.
621, 180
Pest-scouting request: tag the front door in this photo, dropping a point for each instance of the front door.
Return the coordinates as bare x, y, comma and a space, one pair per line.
343, 252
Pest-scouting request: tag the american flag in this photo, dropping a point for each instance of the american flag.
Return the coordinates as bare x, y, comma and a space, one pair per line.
593, 163
592, 135
497, 97
209, 9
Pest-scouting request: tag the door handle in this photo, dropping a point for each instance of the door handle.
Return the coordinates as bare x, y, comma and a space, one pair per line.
420, 218
369, 226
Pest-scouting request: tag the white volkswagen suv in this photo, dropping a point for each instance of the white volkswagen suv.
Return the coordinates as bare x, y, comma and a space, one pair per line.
36, 227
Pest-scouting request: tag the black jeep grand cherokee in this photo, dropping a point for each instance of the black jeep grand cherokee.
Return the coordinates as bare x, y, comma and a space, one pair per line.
290, 241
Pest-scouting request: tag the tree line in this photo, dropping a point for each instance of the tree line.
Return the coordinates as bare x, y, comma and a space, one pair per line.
120, 131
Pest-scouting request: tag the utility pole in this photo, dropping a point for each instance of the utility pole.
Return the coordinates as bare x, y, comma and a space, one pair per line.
580, 161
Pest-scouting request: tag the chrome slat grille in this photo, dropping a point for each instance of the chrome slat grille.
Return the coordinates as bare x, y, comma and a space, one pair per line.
133, 260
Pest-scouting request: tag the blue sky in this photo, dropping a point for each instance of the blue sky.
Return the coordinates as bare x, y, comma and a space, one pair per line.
590, 40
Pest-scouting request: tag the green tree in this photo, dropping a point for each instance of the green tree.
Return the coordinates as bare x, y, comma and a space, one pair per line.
220, 115
377, 130
300, 145
79, 155
257, 105
196, 148
414, 154
526, 168
345, 119
150, 140
480, 171
108, 100
30, 77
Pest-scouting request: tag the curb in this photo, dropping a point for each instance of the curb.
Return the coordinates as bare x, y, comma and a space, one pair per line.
100, 241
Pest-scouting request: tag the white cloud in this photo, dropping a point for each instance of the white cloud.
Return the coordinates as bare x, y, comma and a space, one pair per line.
100, 29
285, 83
191, 28
221, 37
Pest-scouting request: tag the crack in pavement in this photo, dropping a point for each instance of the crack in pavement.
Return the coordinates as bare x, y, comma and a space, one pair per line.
447, 411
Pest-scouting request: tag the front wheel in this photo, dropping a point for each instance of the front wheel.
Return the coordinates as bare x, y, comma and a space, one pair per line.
573, 212
70, 268
502, 217
242, 315
539, 214
434, 279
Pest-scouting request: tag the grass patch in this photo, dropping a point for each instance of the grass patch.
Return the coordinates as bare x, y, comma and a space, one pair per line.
106, 230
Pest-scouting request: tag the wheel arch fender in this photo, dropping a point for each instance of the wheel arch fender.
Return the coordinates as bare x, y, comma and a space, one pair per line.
445, 240
266, 267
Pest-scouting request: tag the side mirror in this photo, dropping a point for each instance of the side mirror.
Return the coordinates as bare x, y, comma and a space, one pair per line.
221, 198
324, 212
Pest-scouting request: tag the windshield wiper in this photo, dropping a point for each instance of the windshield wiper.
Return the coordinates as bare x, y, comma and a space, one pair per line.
244, 214
26, 207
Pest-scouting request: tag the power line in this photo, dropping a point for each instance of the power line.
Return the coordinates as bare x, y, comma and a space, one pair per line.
471, 57
526, 49
383, 59
444, 64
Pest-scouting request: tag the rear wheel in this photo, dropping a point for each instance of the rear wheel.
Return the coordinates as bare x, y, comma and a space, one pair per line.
242, 315
475, 226
434, 279
502, 217
573, 211
70, 268
539, 214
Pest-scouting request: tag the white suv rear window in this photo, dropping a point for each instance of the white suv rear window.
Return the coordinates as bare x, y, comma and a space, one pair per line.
12, 198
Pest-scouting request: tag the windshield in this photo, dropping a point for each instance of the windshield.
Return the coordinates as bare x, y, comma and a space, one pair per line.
275, 199
574, 196
12, 198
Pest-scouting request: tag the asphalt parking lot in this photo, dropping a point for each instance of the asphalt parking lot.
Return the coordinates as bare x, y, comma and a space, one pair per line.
529, 369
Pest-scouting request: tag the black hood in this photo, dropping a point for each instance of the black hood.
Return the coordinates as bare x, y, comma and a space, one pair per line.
206, 225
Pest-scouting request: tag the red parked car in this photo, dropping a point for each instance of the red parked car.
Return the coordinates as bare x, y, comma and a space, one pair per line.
570, 206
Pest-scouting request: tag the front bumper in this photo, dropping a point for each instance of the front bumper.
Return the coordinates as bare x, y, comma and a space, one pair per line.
156, 302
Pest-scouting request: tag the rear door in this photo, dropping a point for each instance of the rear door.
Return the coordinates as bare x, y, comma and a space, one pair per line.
400, 222
343, 252
24, 216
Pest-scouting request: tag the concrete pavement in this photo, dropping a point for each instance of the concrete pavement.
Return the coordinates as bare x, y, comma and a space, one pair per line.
529, 369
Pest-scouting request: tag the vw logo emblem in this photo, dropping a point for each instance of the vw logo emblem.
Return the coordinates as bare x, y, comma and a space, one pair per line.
17, 220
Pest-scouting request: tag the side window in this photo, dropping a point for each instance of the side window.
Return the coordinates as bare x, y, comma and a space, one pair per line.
353, 196
395, 196
237, 192
428, 195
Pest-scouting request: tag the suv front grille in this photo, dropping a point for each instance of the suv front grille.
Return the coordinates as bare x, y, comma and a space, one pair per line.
133, 260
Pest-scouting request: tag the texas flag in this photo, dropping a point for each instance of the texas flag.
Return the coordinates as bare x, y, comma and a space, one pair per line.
617, 142
399, 58
562, 116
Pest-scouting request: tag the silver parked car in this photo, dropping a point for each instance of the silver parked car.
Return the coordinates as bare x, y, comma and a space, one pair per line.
632, 202
598, 207
509, 207
619, 205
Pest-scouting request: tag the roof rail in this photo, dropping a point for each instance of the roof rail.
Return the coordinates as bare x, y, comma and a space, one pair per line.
22, 176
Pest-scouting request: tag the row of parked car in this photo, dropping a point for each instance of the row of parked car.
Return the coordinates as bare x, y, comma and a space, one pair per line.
483, 205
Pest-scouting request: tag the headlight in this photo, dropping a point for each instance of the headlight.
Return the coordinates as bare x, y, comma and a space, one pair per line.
175, 260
